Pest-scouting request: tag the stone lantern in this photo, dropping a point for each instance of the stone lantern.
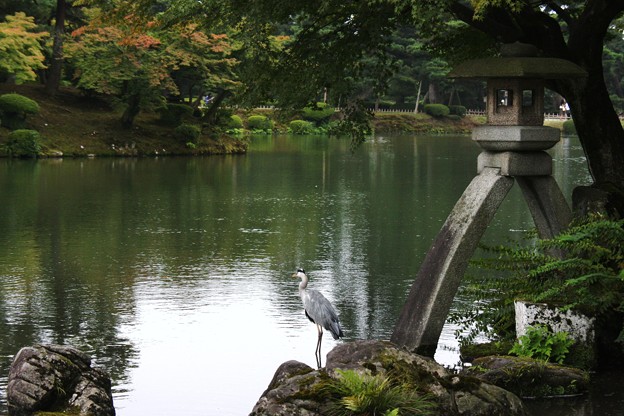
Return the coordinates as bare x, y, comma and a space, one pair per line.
514, 141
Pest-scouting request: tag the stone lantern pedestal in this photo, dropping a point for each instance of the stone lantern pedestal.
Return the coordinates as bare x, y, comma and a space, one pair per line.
514, 143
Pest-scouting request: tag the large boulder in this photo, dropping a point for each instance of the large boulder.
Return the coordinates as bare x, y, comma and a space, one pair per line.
297, 389
57, 378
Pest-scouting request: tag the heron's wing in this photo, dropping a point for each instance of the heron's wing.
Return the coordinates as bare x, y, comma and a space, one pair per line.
320, 311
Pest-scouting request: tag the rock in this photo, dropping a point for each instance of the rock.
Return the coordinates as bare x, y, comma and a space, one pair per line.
529, 378
296, 389
57, 378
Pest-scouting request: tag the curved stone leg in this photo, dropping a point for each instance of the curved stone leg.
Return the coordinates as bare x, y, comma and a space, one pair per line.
551, 212
438, 279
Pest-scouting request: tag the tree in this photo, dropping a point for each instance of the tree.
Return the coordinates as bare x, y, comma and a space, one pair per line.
134, 63
20, 48
56, 64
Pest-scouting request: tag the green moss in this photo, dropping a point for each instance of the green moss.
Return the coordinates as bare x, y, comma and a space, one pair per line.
469, 351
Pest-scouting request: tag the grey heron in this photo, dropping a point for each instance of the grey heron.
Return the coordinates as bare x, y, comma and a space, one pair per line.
319, 311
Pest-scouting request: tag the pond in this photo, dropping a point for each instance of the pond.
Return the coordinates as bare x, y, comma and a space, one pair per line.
174, 273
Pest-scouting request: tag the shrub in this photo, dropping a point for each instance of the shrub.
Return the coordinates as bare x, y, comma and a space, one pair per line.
174, 114
235, 122
300, 127
24, 143
436, 110
457, 110
187, 132
259, 123
541, 343
14, 108
569, 127
319, 114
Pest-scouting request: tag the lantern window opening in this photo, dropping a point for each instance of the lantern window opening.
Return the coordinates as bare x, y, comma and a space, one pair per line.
504, 98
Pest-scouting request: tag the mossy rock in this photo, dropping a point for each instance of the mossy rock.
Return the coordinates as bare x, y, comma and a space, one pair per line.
297, 389
469, 352
529, 378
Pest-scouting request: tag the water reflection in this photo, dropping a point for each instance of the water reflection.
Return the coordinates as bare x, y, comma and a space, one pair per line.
175, 273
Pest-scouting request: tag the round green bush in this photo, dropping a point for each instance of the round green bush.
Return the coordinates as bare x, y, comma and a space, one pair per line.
174, 114
319, 114
259, 123
16, 103
569, 127
437, 110
300, 127
187, 132
235, 122
457, 110
14, 108
24, 143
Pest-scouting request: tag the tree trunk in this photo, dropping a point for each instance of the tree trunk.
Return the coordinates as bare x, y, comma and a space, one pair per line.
211, 114
432, 93
601, 135
131, 111
56, 65
418, 96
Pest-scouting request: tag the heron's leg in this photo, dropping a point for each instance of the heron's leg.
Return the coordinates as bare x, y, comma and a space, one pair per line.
317, 352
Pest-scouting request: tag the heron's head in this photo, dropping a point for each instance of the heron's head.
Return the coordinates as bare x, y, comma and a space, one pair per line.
299, 274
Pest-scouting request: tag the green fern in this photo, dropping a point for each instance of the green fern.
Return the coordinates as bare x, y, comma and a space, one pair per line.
541, 343
580, 269
353, 393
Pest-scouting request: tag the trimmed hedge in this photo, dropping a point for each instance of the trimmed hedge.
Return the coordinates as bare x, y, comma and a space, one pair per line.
187, 132
437, 110
457, 110
14, 108
235, 122
24, 143
259, 123
319, 114
300, 127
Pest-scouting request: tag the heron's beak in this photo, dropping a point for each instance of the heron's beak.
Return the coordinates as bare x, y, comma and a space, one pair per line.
295, 275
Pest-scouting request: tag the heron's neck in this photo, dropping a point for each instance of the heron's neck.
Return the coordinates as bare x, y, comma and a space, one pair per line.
304, 283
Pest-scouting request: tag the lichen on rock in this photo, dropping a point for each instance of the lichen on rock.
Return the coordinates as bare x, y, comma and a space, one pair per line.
57, 378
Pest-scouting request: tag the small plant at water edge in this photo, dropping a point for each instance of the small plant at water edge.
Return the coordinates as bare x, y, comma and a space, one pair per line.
24, 143
352, 393
541, 343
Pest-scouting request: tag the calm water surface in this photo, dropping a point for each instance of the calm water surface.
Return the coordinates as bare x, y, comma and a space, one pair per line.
174, 273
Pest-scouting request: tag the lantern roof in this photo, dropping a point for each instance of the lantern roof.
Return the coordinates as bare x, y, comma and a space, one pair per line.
518, 61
